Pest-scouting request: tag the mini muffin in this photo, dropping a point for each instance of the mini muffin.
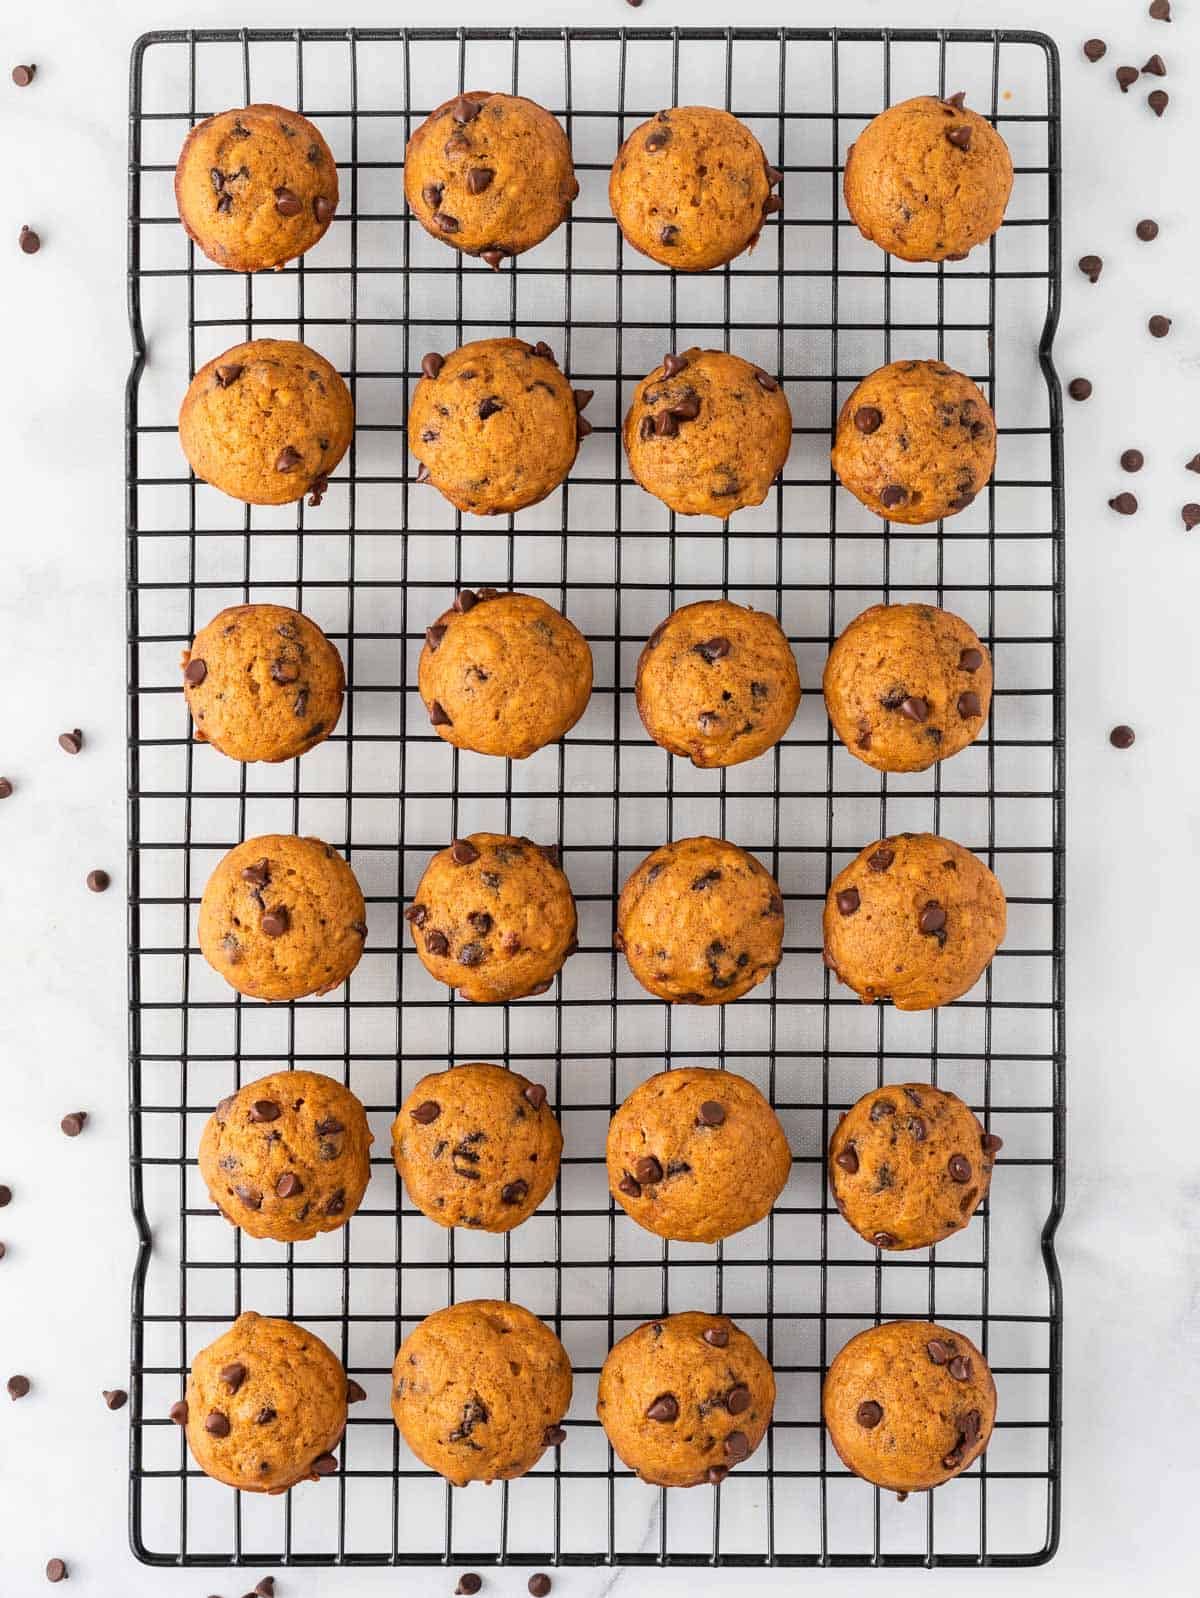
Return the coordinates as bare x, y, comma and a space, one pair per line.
503, 674
700, 922
915, 919
262, 683
691, 188
928, 180
255, 187
717, 682
493, 916
707, 433
267, 422
909, 1165
495, 425
685, 1398
909, 1405
697, 1155
282, 917
478, 1391
265, 1406
907, 685
490, 174
915, 442
287, 1156
477, 1146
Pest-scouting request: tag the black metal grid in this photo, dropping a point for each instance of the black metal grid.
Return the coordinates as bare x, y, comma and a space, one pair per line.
375, 563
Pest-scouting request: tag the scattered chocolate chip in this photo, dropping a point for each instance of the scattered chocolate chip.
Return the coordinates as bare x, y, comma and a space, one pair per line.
1094, 49
686, 409
960, 138
24, 76
463, 852
1147, 230
479, 178
6, 788
437, 943
1091, 266
665, 425
932, 918
1193, 465
336, 1204
1124, 504
712, 649
867, 418
325, 1464
265, 1588
438, 716
427, 1112
288, 459
195, 672
115, 1397
468, 1584
716, 1336
1079, 388
432, 364
447, 223
265, 1416
915, 708
629, 1187
716, 1474
969, 705
288, 1185
1158, 100
960, 1368
276, 921
882, 1239
1126, 76
959, 1167
664, 1408
1122, 737
493, 258
72, 742
73, 1123
514, 1192
178, 1412
648, 1170
848, 901
1156, 66
869, 1414
323, 209
287, 203
1160, 10
233, 1375
658, 140
489, 406
881, 859
1191, 516
18, 1386
892, 495
98, 880
711, 1113
249, 1196
673, 365
1132, 460
464, 109
738, 1399
737, 1446
216, 1424
355, 1391
764, 379
56, 1570
847, 1160
1159, 326
29, 241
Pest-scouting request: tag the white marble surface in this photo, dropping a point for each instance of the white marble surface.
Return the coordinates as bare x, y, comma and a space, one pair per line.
1129, 1246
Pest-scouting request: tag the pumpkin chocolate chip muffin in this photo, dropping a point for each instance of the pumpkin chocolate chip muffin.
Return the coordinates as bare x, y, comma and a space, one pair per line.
262, 683
479, 1389
909, 1405
288, 1156
717, 682
707, 433
915, 441
255, 187
495, 425
691, 188
265, 1406
493, 916
686, 1398
503, 674
696, 1155
700, 922
282, 917
907, 685
477, 1146
928, 179
915, 919
490, 174
909, 1164
266, 422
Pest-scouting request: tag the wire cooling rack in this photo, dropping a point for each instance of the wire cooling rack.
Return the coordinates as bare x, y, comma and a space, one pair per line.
377, 562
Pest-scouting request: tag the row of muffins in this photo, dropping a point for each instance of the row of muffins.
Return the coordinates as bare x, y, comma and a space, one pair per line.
479, 1389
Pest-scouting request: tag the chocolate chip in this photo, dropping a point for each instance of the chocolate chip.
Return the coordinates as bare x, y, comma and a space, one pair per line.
1160, 10
1191, 516
960, 1368
447, 223
867, 418
917, 1128
336, 1204
1159, 326
287, 203
1156, 66
489, 407
73, 1123
716, 1336
658, 140
869, 1414
915, 708
438, 716
893, 495
276, 921
848, 901
990, 1143
539, 1584
716, 1474
324, 1464
427, 1112
668, 235
1158, 100
1091, 266
24, 76
1124, 504
881, 859
932, 919
554, 1436
960, 138
468, 1584
938, 1351
1126, 76
233, 1375
1094, 49
471, 954
673, 365
432, 195
18, 1386
29, 241
712, 649
959, 1167
969, 705
464, 109
478, 179
665, 425
764, 379
178, 1412
648, 1170
115, 1397
249, 1196
711, 1113
6, 788
738, 1399
881, 1109
265, 1588
664, 1408
437, 943
72, 742
216, 1424
1122, 737
323, 209
687, 409
265, 1416
288, 1185
56, 1570
629, 1187
288, 459
463, 852
1079, 388
737, 1446
847, 1160
432, 364
1147, 230
98, 880
493, 258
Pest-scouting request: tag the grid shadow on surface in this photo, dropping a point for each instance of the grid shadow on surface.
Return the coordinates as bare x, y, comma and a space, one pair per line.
821, 307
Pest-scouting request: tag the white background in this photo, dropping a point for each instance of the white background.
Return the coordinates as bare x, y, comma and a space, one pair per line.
1130, 1245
